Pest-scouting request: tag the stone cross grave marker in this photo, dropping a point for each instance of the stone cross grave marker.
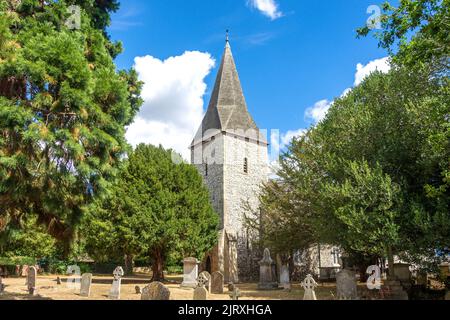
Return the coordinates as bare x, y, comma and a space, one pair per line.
309, 284
31, 280
217, 283
204, 280
190, 273
114, 294
86, 282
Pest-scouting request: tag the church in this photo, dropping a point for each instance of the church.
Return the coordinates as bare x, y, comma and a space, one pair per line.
231, 154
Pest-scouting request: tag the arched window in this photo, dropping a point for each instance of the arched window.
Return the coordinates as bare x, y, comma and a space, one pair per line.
245, 165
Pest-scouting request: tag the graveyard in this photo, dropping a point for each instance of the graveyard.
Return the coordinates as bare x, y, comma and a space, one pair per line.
245, 150
48, 289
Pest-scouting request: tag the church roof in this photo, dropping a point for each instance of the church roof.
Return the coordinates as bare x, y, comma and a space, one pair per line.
227, 110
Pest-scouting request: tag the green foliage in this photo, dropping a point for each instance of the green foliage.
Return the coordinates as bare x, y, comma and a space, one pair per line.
63, 112
28, 240
427, 21
156, 209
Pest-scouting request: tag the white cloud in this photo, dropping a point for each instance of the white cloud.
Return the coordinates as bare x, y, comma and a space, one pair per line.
287, 137
268, 8
318, 112
362, 71
320, 109
173, 94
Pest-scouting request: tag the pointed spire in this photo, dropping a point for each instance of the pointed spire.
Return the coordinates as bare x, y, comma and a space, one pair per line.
227, 110
227, 38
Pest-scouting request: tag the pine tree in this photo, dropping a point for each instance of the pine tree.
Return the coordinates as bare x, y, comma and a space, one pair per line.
63, 111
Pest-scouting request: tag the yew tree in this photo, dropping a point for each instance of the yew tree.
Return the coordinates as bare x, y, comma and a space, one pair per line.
157, 209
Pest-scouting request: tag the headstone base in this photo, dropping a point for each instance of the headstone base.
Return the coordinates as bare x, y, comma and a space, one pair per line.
188, 285
285, 286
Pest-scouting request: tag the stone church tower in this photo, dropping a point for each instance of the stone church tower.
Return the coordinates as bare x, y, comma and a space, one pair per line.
231, 154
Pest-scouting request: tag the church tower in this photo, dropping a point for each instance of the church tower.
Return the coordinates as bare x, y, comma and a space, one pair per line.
231, 154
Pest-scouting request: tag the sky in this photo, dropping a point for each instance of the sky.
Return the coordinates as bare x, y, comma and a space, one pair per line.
294, 57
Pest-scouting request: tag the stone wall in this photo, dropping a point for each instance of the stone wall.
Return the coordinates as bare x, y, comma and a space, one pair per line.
234, 193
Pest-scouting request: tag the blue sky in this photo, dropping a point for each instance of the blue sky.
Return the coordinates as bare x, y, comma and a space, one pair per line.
291, 55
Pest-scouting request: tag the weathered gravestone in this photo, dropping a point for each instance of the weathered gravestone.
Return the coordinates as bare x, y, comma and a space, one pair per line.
86, 282
31, 280
2, 286
205, 279
285, 282
114, 294
217, 283
190, 273
267, 281
155, 291
309, 284
138, 290
200, 293
346, 285
58, 280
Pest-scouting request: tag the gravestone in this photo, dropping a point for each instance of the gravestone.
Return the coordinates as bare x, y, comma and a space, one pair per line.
2, 286
155, 291
18, 273
309, 284
267, 281
31, 280
58, 280
346, 285
114, 294
86, 282
285, 282
217, 283
200, 293
235, 294
205, 278
138, 290
190, 273
231, 287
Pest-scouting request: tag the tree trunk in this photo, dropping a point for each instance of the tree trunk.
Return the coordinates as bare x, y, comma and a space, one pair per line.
390, 256
129, 264
158, 266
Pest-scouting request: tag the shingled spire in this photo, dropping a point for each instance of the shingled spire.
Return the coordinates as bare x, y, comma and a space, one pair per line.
227, 110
